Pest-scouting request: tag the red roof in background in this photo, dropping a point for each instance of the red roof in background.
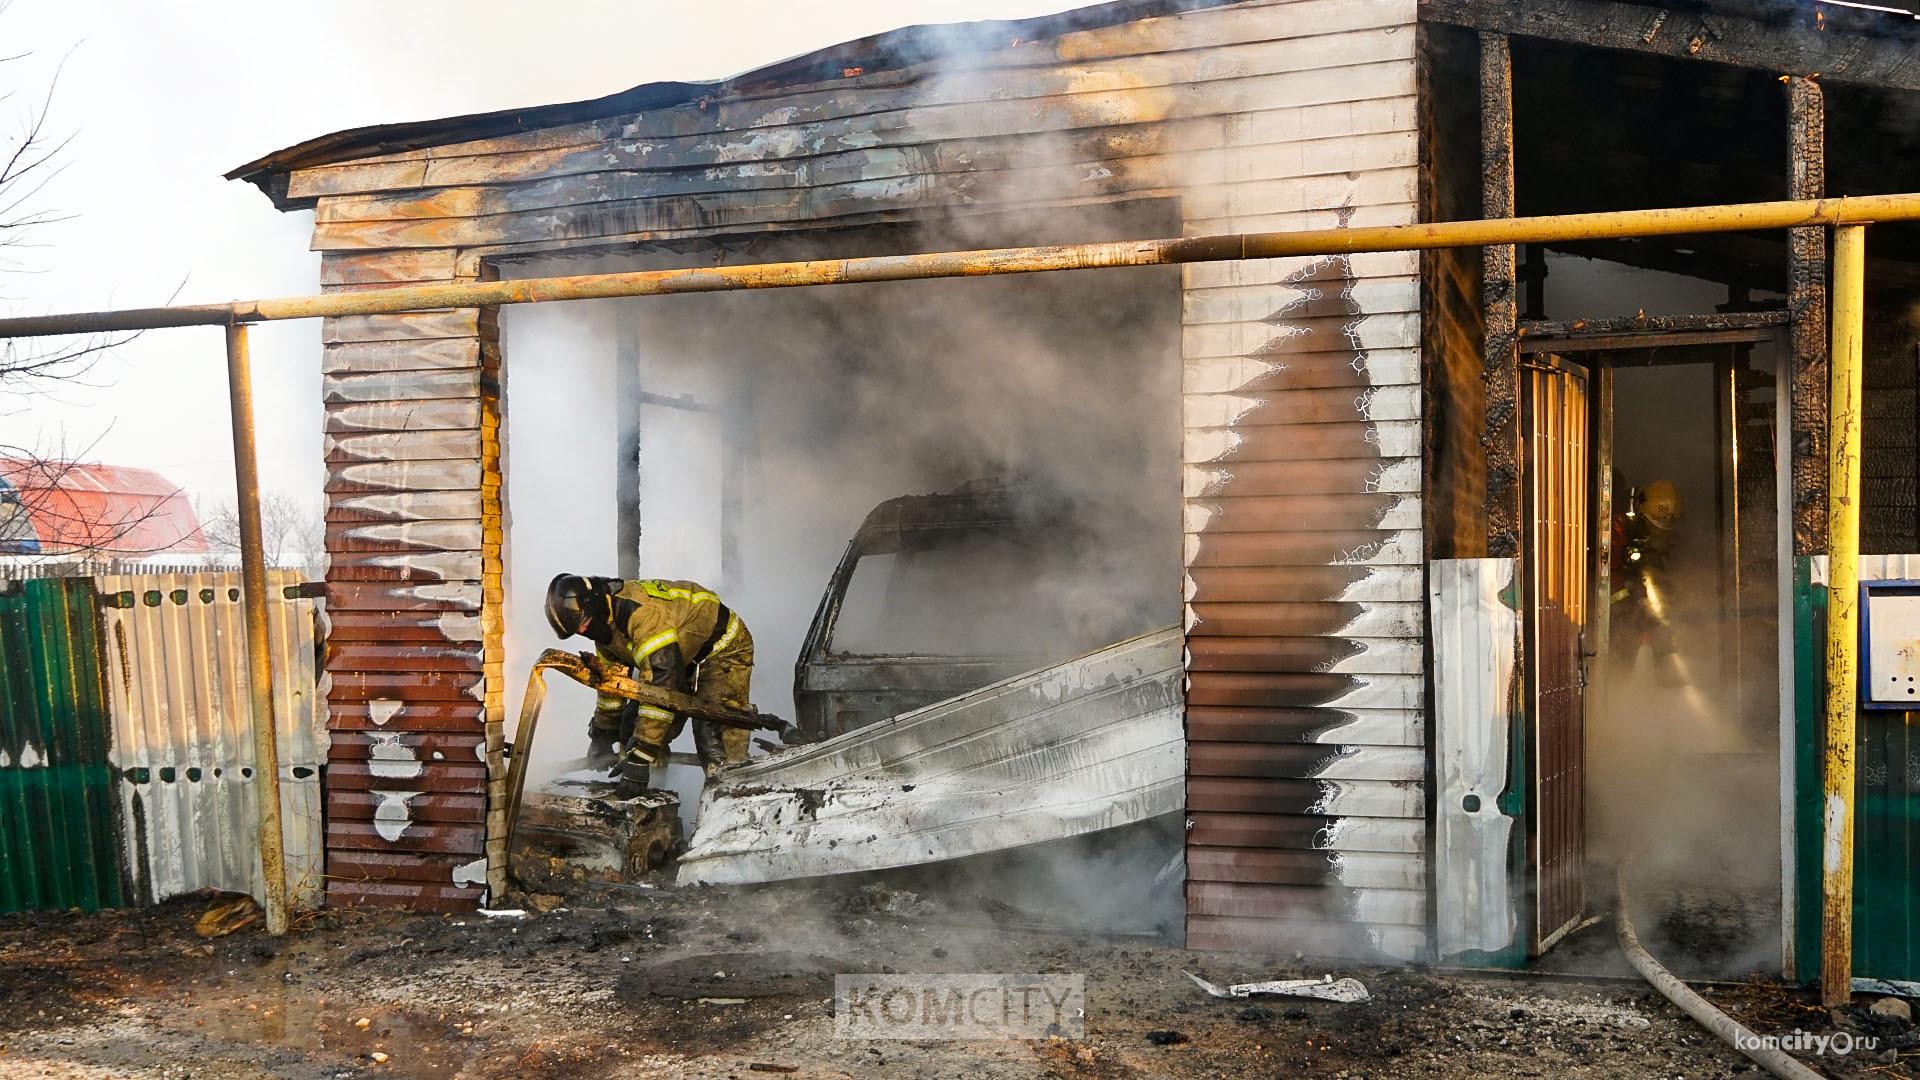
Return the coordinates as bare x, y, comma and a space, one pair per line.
103, 509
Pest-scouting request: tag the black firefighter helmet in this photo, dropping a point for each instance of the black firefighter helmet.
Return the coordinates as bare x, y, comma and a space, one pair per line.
574, 606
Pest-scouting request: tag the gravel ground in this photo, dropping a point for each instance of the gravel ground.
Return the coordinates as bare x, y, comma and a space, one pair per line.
715, 983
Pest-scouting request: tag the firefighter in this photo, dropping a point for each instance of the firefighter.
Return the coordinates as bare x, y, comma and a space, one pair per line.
672, 634
1643, 536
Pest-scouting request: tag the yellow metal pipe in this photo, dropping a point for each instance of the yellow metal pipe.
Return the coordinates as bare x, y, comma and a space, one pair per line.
1843, 610
253, 597
1023, 260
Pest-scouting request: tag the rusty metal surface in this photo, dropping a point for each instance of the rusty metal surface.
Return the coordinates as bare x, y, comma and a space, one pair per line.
254, 622
1558, 471
183, 750
451, 403
576, 832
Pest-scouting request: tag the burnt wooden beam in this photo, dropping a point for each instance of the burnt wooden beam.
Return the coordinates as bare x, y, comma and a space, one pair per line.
1499, 297
1807, 305
1655, 324
1802, 43
1671, 347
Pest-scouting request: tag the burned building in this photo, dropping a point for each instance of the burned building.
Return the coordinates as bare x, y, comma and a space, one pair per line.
1376, 491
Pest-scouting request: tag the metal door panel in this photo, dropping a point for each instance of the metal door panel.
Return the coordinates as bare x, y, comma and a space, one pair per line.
1558, 481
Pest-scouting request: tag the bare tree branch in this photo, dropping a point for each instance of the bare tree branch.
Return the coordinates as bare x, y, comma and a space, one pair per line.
292, 533
50, 506
31, 158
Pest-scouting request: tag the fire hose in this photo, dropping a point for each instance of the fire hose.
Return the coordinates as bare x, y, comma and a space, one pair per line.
1726, 1027
604, 677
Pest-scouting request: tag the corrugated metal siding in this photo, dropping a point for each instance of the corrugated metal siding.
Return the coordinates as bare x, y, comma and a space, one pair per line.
1305, 593
58, 843
1301, 392
182, 740
1886, 831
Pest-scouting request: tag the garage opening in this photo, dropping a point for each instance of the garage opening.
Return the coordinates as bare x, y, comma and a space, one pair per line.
1024, 432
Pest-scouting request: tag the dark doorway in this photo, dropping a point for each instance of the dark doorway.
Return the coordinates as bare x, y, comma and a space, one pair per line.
1678, 657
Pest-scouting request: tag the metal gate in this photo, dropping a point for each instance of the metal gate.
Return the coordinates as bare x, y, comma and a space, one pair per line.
1558, 482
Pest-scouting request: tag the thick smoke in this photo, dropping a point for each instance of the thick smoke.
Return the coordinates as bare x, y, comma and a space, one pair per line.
828, 401
1683, 754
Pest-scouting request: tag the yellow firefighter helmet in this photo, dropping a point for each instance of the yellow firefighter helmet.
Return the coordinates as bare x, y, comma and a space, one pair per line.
1660, 502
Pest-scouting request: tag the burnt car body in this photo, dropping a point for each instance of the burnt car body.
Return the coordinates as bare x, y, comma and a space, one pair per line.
939, 595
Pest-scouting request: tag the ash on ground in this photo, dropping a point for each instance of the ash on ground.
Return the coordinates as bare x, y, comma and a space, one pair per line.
738, 983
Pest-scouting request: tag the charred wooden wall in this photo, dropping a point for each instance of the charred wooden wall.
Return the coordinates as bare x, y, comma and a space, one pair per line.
1452, 324
1302, 398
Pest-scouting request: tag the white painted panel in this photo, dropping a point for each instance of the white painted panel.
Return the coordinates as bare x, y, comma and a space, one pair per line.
1399, 439
1227, 275
1892, 623
1226, 374
1258, 303
1398, 330
1475, 632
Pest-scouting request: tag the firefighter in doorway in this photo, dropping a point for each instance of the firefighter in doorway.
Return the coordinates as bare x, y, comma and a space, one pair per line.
1642, 541
673, 634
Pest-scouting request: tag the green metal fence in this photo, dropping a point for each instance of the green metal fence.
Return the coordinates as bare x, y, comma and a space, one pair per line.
1886, 839
58, 847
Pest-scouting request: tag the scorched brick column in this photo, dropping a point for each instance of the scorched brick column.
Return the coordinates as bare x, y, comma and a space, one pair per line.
413, 595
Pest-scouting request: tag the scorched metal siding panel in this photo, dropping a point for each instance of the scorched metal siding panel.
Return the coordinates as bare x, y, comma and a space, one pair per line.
413, 540
1476, 628
183, 741
1305, 613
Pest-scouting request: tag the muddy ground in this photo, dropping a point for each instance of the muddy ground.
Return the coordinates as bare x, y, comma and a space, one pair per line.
711, 983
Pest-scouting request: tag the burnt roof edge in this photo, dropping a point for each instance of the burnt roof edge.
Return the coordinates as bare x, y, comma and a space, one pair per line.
886, 51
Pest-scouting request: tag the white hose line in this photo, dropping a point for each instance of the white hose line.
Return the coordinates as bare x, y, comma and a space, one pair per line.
1726, 1027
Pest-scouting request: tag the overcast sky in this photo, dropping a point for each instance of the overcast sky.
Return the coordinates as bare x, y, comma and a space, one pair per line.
162, 99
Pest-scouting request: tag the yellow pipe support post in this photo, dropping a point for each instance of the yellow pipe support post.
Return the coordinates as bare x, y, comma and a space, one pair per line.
1843, 611
253, 582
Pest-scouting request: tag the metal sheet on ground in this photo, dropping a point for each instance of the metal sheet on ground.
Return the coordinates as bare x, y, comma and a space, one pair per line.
1090, 744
